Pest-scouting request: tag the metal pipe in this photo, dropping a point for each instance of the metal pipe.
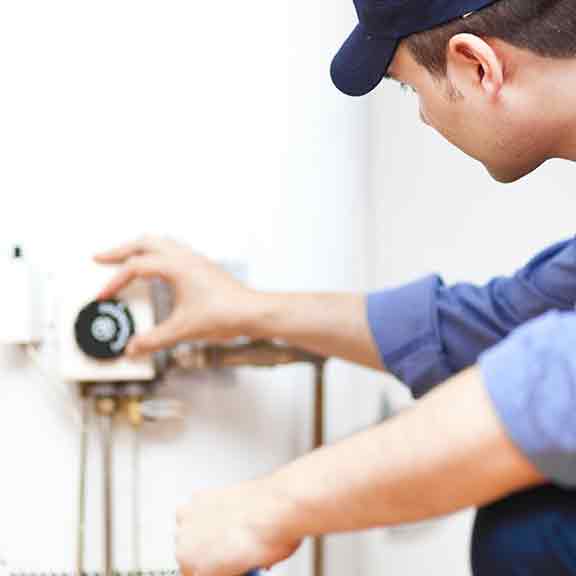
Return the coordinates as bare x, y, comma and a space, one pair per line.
319, 408
259, 353
319, 431
106, 407
106, 423
106, 427
81, 529
136, 500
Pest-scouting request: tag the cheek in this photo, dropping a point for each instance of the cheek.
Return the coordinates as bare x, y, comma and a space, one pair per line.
436, 116
453, 125
447, 116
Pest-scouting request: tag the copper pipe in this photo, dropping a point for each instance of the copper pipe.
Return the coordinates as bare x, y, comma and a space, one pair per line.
319, 431
259, 353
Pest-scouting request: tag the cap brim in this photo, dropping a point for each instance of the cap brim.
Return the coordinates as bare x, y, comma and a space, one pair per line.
362, 62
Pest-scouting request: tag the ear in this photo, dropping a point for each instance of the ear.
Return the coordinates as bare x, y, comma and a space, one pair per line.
473, 63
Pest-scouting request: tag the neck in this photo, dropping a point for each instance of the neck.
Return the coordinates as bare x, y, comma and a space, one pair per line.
548, 86
559, 103
568, 151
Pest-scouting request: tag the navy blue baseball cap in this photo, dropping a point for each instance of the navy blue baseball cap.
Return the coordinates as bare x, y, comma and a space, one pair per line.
364, 58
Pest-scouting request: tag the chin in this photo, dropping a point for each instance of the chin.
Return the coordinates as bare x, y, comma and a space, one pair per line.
508, 175
504, 178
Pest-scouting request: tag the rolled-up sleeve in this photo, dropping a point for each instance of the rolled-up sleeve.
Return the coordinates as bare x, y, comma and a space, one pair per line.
426, 331
531, 379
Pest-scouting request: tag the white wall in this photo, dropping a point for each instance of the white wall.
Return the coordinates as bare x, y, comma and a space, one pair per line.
431, 209
212, 122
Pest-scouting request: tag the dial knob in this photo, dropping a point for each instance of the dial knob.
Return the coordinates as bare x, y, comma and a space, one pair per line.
103, 328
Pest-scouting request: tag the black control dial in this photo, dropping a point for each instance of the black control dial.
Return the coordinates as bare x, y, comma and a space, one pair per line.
103, 328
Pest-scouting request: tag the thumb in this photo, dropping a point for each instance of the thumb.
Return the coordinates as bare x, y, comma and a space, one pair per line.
164, 335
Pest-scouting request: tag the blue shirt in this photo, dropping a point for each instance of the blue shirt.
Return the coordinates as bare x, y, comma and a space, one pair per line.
521, 330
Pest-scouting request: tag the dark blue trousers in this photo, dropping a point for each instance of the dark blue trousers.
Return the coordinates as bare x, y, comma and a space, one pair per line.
528, 534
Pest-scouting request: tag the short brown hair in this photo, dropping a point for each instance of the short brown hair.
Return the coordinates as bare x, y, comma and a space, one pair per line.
545, 27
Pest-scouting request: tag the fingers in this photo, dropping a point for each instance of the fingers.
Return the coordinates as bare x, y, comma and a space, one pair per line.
121, 253
137, 267
162, 336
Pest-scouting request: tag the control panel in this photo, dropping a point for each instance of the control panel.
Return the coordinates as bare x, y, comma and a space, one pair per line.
92, 335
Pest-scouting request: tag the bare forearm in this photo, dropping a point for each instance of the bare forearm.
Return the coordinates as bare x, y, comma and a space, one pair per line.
447, 453
327, 324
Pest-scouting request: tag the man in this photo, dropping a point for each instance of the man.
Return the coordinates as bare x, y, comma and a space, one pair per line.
497, 80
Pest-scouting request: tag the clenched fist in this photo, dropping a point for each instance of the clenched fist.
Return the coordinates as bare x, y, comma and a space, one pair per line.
231, 531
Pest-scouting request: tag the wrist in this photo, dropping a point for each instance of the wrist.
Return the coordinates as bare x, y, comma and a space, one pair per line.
259, 318
279, 513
